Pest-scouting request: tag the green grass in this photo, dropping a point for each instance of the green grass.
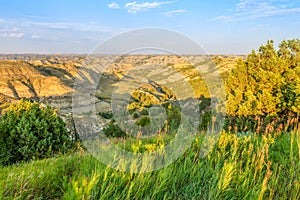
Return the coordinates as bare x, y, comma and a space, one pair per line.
239, 167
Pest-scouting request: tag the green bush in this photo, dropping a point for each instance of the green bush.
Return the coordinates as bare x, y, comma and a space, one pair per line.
106, 115
173, 118
205, 121
135, 115
144, 112
29, 132
113, 130
144, 121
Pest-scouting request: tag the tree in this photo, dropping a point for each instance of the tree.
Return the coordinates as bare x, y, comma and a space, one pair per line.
267, 82
30, 131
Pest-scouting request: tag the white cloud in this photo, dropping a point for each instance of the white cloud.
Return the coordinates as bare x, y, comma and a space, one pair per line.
174, 12
255, 9
64, 26
35, 36
222, 18
10, 32
9, 29
12, 35
2, 20
134, 7
54, 31
255, 5
113, 5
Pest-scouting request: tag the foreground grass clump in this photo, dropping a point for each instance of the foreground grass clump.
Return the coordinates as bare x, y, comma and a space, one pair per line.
247, 166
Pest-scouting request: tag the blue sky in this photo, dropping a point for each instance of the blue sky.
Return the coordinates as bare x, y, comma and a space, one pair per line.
69, 26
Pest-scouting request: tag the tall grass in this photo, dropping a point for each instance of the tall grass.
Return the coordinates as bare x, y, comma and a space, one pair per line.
245, 166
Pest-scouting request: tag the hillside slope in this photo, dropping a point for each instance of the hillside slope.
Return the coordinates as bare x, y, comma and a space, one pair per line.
50, 79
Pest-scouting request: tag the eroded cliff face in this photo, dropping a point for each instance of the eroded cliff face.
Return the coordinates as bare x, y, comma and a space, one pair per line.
19, 79
48, 80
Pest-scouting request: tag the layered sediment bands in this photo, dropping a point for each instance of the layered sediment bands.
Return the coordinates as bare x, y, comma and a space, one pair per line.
19, 79
51, 78
48, 80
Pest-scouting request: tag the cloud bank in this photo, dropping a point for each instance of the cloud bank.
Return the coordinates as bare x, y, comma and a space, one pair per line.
255, 9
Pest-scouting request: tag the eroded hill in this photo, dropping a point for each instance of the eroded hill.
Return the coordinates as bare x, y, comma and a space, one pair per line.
51, 79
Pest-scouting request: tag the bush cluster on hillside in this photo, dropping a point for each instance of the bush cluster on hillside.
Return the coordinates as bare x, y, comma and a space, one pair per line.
142, 118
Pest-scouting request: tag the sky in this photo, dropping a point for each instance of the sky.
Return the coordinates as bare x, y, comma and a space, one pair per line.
77, 26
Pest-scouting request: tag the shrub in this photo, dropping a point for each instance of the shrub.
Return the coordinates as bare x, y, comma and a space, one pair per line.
135, 115
144, 112
205, 121
106, 115
144, 121
29, 132
113, 130
173, 118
